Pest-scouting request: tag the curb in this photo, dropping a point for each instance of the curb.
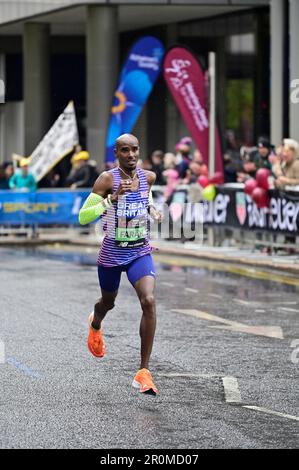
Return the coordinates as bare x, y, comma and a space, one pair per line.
289, 267
210, 256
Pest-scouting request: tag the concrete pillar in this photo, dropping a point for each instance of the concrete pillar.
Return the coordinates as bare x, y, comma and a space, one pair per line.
102, 74
277, 22
36, 48
172, 113
140, 130
294, 66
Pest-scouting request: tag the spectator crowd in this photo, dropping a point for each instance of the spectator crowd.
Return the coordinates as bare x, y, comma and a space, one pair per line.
82, 174
184, 166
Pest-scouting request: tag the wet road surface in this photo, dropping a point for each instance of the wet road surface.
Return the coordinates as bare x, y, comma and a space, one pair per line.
225, 357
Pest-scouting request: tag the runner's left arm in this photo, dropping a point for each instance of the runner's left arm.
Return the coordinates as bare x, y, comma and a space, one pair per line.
156, 215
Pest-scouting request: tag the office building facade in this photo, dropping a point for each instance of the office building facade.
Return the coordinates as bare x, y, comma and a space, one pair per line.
55, 51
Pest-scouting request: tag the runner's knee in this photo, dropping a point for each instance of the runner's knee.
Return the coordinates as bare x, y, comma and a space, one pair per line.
147, 302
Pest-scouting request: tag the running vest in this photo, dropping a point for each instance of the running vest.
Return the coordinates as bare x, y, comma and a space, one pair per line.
126, 225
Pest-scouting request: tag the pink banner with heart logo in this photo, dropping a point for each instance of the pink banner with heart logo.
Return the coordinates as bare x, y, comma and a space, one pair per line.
186, 81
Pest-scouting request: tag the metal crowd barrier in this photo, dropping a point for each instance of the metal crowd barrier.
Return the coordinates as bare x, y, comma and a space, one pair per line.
52, 213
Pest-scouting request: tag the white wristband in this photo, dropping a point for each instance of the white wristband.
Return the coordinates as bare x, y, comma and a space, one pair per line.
107, 202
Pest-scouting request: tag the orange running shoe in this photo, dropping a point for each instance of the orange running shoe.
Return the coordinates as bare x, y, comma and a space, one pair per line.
144, 382
95, 342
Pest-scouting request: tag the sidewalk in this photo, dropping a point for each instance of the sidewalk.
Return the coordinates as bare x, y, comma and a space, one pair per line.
232, 255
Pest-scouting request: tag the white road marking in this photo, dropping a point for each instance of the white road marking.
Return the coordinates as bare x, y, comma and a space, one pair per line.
284, 303
195, 376
230, 384
269, 331
206, 316
285, 309
188, 289
216, 296
247, 303
260, 311
231, 390
243, 302
270, 412
167, 284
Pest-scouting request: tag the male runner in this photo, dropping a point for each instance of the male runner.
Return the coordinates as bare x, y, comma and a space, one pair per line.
123, 194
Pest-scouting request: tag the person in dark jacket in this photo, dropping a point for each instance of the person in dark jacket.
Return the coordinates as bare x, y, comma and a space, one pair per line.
3, 181
256, 158
83, 174
157, 166
183, 157
264, 150
6, 172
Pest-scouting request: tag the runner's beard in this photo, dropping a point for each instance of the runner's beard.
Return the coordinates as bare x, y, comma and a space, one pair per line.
131, 166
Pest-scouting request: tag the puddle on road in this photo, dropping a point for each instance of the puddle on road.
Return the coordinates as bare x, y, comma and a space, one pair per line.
223, 273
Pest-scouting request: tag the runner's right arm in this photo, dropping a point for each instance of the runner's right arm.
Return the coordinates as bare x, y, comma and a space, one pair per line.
101, 198
97, 202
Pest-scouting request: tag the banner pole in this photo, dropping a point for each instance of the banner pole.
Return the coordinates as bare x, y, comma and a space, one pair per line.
212, 119
2, 115
212, 127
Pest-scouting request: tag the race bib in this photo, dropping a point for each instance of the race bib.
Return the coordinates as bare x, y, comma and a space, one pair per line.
132, 220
